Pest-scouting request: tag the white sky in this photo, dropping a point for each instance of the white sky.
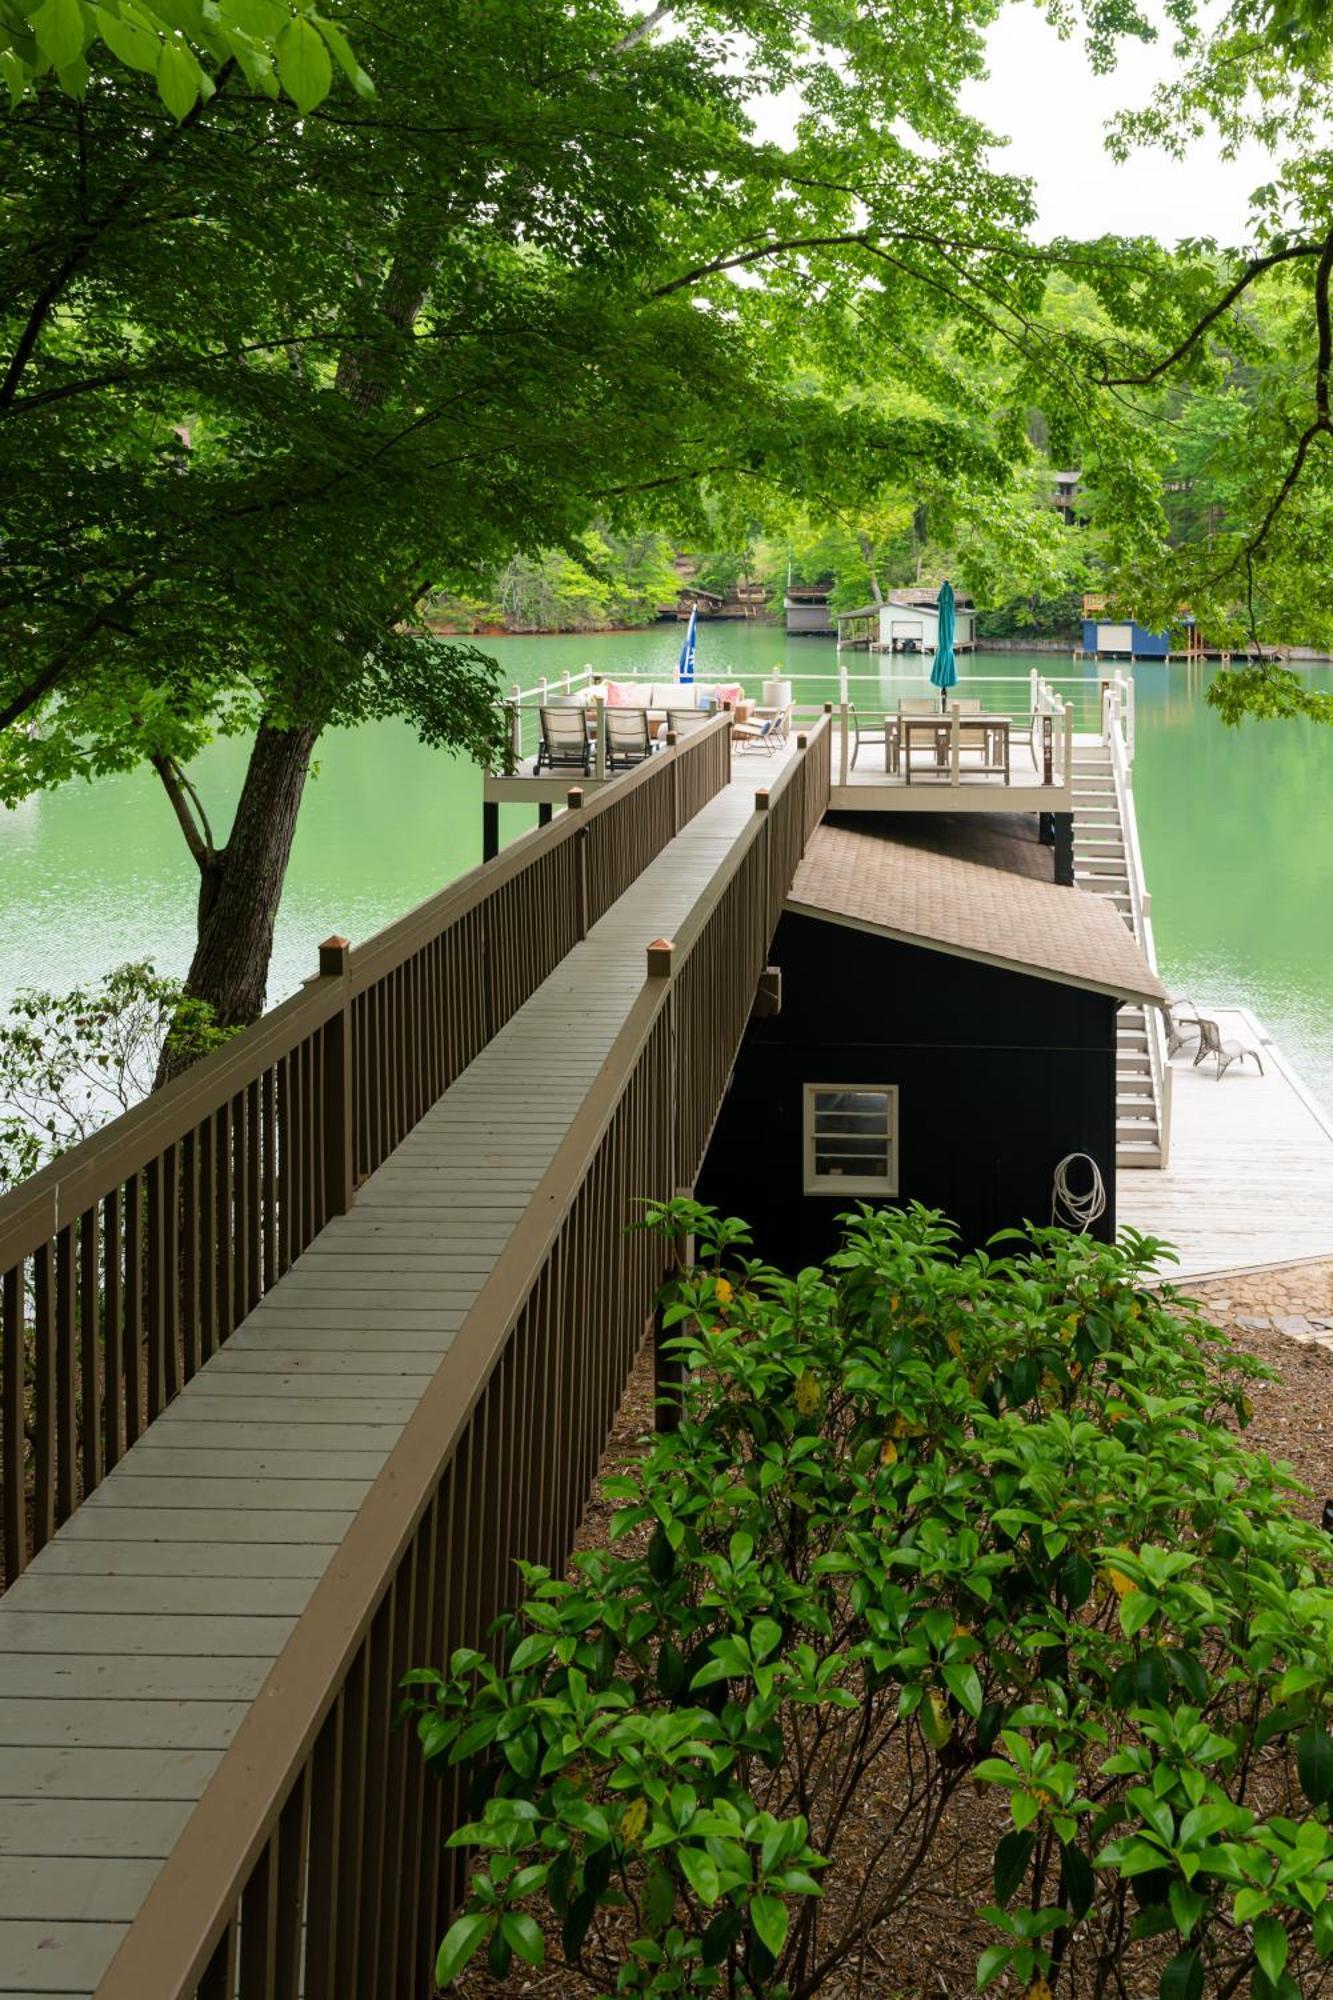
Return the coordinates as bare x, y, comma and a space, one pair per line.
1042, 96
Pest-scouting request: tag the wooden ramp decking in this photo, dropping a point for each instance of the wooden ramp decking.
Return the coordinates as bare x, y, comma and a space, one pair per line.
134, 1644
1250, 1175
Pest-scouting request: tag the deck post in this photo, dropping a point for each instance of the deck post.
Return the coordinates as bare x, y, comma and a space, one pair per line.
1064, 848
660, 955
544, 811
490, 829
339, 1167
1047, 774
842, 750
955, 745
599, 760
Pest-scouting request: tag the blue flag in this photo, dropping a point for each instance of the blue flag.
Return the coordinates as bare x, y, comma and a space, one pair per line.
685, 671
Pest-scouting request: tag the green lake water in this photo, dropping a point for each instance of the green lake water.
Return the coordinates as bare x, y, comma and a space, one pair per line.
1237, 831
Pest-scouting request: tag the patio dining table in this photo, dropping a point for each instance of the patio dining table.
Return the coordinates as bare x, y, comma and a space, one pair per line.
989, 733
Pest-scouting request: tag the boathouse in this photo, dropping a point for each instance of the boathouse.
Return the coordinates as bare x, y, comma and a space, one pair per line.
946, 1034
807, 610
907, 621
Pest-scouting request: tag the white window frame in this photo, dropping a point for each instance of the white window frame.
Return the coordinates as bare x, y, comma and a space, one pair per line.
844, 1184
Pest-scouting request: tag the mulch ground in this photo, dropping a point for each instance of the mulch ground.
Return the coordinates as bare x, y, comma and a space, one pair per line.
1282, 1318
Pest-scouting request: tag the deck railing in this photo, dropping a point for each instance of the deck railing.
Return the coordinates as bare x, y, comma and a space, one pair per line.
128, 1261
320, 1823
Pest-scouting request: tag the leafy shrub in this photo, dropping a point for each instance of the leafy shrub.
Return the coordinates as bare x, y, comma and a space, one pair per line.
960, 1550
69, 1062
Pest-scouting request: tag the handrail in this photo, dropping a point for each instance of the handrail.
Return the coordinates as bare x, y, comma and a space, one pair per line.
130, 1258
1116, 733
486, 1470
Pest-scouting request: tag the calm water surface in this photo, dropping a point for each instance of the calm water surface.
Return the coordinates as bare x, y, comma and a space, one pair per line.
1237, 830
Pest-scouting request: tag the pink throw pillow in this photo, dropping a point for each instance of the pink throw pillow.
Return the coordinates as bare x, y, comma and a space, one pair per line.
732, 693
617, 695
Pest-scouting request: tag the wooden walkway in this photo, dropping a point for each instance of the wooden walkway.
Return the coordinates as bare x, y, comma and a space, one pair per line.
1250, 1178
192, 1561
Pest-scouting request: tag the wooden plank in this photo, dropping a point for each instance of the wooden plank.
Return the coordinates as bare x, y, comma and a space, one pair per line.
371, 1367
100, 1827
188, 1435
61, 1632
162, 1596
36, 1959
105, 1774
293, 1403
112, 1677
312, 1496
211, 1460
219, 1525
129, 1558
127, 1724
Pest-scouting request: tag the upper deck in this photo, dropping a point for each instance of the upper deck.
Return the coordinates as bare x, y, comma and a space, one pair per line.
995, 742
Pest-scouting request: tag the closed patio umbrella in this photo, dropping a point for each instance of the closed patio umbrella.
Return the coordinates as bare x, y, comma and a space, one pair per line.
944, 672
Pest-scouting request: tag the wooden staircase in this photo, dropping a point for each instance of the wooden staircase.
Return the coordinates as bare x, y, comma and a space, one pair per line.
1101, 867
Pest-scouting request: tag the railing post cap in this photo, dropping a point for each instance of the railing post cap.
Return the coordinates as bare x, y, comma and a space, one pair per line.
801, 742
761, 799
574, 797
333, 956
828, 708
660, 954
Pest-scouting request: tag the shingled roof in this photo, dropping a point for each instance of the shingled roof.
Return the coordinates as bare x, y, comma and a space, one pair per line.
915, 890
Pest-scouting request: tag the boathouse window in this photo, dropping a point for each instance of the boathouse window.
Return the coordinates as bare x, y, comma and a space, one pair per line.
851, 1138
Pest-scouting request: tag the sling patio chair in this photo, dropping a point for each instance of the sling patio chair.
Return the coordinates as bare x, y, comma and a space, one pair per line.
628, 740
681, 720
883, 730
1212, 1044
564, 745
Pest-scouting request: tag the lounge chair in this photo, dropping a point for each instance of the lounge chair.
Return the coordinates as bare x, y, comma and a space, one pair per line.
1182, 1022
1212, 1044
681, 720
766, 728
564, 745
628, 740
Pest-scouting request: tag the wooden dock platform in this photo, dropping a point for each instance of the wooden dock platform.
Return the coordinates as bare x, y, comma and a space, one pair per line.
1250, 1175
134, 1644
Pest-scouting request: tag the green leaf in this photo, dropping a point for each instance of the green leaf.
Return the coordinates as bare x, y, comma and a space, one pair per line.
992, 1963
1077, 1881
178, 79
303, 64
461, 1940
134, 45
1135, 1611
1323, 1928
700, 1872
344, 57
658, 1901
1270, 1946
522, 1933
1183, 1978
1011, 1863
59, 28
965, 1687
1187, 1906
1314, 1766
537, 1646
768, 1914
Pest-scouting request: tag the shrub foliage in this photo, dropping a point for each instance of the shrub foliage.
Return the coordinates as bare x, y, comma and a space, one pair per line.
962, 1550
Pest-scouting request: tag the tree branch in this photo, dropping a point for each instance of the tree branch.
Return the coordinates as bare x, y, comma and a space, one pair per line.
1254, 269
643, 29
185, 802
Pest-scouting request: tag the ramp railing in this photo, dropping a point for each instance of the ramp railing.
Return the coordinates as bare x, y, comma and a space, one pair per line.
127, 1261
315, 1859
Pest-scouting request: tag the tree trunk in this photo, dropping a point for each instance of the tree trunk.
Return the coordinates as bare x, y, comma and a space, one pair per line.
240, 886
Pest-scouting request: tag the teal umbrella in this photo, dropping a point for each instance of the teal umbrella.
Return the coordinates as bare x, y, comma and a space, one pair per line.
944, 673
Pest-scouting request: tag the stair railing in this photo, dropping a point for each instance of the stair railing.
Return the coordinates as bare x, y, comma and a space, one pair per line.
1117, 725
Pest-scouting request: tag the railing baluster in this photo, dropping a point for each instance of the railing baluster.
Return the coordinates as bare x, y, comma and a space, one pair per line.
90, 1350
67, 1375
44, 1354
113, 1308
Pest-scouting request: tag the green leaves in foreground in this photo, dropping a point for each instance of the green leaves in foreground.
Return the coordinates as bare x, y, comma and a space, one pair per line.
282, 46
951, 1560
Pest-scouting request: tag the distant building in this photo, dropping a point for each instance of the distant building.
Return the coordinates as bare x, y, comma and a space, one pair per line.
908, 621
1120, 638
946, 1033
808, 610
1064, 498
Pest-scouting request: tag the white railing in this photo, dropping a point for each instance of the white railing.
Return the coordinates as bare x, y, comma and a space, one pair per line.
1118, 733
